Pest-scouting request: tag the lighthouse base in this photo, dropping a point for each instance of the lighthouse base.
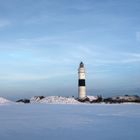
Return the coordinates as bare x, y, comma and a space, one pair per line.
85, 99
82, 92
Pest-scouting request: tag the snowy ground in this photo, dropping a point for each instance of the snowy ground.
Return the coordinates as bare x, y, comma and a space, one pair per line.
5, 101
70, 122
55, 100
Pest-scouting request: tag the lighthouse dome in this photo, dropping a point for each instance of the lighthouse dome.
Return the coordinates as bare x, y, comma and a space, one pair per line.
81, 65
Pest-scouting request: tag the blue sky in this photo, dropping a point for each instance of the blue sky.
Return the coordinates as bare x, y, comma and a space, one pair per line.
42, 43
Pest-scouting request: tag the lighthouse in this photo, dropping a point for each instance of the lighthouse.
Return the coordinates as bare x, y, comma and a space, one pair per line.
81, 82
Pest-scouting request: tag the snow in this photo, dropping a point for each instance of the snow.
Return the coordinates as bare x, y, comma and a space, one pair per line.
59, 100
4, 101
91, 98
55, 100
70, 122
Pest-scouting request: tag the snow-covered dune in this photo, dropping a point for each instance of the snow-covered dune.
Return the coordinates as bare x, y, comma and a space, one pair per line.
54, 100
4, 101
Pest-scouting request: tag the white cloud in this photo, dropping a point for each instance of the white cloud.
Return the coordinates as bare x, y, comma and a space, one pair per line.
71, 52
118, 58
22, 77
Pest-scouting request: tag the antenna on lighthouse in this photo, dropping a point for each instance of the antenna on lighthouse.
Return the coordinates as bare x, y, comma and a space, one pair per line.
81, 82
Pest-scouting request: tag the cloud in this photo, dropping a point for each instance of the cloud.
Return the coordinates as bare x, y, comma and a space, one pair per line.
121, 58
137, 55
44, 50
4, 23
22, 78
131, 58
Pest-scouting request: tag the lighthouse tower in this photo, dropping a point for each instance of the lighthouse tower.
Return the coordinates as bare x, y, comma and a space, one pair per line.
82, 83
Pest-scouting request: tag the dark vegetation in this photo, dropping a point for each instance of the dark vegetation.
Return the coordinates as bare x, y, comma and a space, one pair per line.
27, 101
39, 97
112, 100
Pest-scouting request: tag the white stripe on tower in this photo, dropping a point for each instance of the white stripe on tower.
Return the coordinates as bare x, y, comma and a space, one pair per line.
82, 83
